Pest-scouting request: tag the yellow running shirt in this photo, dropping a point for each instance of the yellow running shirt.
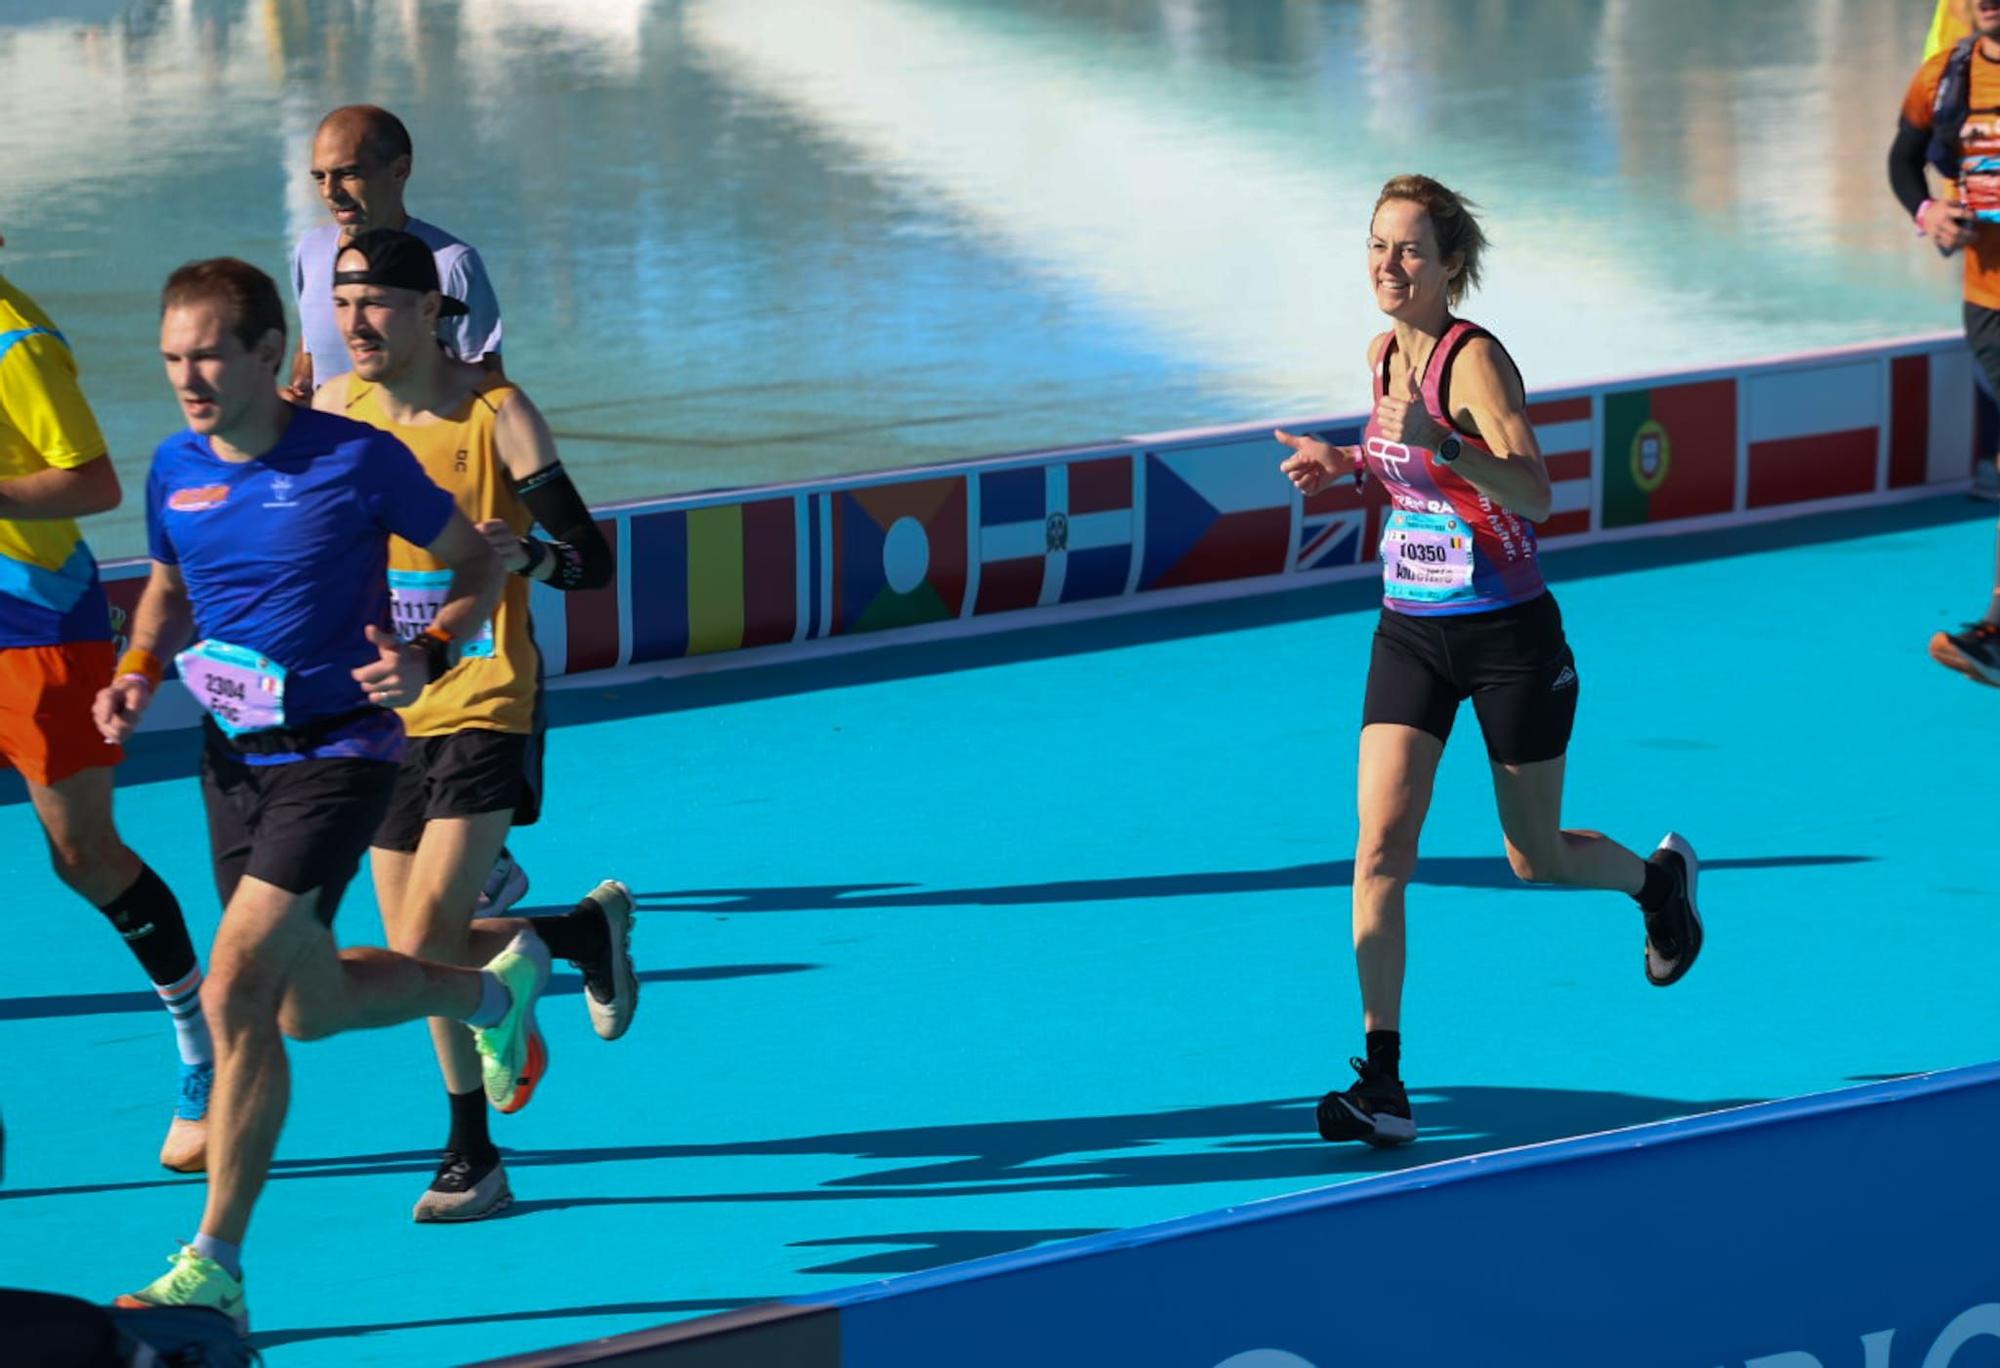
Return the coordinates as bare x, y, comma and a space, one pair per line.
49, 592
494, 683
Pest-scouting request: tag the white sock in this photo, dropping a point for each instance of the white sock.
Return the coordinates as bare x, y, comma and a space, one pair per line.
228, 1255
494, 999
183, 1003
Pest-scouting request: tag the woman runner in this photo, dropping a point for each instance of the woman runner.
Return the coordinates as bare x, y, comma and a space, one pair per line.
1465, 614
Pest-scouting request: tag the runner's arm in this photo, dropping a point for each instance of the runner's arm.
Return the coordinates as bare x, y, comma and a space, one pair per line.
41, 401
61, 492
476, 579
579, 557
1489, 399
300, 390
1906, 167
163, 621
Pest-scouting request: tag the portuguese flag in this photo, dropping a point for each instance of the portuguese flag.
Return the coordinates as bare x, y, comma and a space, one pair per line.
1669, 452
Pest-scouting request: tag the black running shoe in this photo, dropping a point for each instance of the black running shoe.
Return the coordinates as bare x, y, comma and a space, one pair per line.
1375, 1110
1973, 650
1673, 934
464, 1191
610, 983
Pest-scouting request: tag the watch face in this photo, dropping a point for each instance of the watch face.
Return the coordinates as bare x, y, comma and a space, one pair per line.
1448, 450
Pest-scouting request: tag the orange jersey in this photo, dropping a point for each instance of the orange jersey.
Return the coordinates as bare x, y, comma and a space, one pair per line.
493, 686
1979, 136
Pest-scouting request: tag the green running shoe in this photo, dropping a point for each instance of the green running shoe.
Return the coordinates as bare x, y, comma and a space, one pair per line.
194, 1280
513, 1056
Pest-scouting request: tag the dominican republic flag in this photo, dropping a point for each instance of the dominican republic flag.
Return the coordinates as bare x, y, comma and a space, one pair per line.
1814, 433
1216, 513
1562, 430
1931, 431
1054, 534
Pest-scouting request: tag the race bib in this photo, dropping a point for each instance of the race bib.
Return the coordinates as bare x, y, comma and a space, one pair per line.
242, 690
1426, 557
1979, 187
416, 596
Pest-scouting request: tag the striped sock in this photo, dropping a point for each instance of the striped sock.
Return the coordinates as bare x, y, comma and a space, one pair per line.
183, 1002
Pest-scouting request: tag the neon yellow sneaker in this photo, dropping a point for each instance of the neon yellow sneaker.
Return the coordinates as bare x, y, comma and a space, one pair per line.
513, 1056
194, 1280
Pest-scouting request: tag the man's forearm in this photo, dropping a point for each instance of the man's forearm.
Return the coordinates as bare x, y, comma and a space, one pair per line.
72, 492
1906, 167
162, 624
472, 600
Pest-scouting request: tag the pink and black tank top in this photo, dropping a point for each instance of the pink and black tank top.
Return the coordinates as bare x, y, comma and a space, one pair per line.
1446, 547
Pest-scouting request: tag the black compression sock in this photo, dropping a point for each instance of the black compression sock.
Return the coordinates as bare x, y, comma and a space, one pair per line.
578, 936
149, 917
1385, 1055
468, 1128
1659, 887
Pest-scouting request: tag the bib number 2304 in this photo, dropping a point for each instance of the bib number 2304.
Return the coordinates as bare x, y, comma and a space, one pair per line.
242, 690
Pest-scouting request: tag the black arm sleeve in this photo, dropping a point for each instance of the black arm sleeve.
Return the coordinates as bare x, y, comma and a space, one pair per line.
1906, 166
583, 560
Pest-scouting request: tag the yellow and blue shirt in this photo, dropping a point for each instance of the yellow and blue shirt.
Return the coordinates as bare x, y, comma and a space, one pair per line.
49, 590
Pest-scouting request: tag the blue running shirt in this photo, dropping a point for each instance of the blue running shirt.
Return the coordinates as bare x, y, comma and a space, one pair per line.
288, 554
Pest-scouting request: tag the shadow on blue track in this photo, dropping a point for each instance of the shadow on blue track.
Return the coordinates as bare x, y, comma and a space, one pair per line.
1234, 1143
1230, 1144
107, 1004
1448, 871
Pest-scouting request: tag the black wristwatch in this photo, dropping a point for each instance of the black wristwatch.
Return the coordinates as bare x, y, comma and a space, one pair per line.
437, 653
1449, 448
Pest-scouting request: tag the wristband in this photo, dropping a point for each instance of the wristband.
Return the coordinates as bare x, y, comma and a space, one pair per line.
142, 663
1919, 217
436, 646
440, 633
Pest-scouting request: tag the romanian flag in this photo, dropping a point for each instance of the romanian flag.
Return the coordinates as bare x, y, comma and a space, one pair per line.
719, 578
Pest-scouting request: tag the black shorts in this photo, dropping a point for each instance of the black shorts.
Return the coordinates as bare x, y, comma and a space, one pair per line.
1982, 335
463, 774
302, 825
1513, 663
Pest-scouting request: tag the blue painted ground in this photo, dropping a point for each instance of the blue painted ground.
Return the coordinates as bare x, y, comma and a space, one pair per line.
952, 951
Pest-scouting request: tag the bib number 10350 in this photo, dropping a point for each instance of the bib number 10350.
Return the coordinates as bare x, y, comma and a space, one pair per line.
1426, 557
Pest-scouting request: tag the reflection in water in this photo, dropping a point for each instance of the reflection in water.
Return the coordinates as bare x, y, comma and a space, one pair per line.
745, 241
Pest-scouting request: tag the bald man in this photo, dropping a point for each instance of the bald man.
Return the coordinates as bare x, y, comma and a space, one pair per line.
361, 166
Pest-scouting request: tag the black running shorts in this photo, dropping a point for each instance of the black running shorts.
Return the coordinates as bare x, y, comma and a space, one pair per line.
302, 825
1513, 663
463, 774
1982, 335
